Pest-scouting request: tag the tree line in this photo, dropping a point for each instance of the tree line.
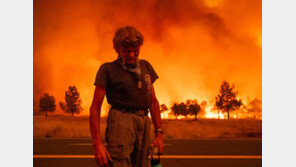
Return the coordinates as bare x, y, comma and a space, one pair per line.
225, 101
188, 108
71, 105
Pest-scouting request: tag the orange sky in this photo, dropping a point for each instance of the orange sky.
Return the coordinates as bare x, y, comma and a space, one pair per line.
193, 46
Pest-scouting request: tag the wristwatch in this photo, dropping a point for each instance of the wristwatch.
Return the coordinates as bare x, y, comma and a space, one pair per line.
159, 130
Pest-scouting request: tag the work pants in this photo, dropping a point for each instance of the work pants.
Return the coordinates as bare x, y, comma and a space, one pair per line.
128, 139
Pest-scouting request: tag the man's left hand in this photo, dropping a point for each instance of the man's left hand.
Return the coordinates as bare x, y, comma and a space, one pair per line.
158, 141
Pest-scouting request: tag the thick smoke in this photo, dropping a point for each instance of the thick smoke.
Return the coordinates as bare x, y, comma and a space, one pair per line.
193, 45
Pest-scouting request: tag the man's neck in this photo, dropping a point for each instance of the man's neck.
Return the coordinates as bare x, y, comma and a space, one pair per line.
127, 65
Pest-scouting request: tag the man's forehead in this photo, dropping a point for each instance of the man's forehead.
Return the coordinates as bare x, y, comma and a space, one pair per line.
131, 37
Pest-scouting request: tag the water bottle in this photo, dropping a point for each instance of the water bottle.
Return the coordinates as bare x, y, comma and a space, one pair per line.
155, 157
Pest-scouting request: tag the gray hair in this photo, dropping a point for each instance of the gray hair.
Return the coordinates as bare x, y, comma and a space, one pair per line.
127, 32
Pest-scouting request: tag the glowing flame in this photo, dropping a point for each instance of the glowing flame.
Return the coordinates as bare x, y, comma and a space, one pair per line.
193, 46
166, 114
247, 111
214, 114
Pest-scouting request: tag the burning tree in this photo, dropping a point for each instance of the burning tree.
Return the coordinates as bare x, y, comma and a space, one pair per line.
72, 101
255, 108
226, 100
47, 104
193, 107
203, 105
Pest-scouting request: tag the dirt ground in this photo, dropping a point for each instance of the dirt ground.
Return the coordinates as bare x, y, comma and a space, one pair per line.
78, 127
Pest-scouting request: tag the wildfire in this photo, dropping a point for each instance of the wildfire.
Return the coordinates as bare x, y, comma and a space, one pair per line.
250, 109
208, 114
192, 46
166, 115
214, 114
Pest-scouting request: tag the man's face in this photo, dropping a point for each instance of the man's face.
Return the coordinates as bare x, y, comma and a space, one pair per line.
129, 51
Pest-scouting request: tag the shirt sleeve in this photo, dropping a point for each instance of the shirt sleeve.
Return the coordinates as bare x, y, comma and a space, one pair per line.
153, 74
102, 76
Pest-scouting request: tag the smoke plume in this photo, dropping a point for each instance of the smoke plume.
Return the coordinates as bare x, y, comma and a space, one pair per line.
193, 45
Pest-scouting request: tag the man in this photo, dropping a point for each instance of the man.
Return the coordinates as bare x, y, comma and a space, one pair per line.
127, 83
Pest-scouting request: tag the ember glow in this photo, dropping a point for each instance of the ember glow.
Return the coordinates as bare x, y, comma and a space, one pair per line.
217, 114
193, 46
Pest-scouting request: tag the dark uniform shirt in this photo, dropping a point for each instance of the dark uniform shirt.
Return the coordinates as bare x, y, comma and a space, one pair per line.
122, 89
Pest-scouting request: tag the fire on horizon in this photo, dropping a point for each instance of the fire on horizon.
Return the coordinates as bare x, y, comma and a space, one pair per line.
193, 46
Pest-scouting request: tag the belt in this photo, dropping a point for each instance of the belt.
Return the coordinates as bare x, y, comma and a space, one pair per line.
140, 112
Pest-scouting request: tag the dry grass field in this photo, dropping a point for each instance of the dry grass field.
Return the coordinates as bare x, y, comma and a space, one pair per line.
78, 127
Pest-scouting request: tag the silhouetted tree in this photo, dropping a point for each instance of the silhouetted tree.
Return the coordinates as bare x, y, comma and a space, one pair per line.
175, 109
226, 100
163, 108
47, 104
179, 109
72, 101
193, 107
183, 109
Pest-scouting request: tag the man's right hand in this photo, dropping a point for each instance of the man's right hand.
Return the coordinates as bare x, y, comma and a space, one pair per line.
102, 155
